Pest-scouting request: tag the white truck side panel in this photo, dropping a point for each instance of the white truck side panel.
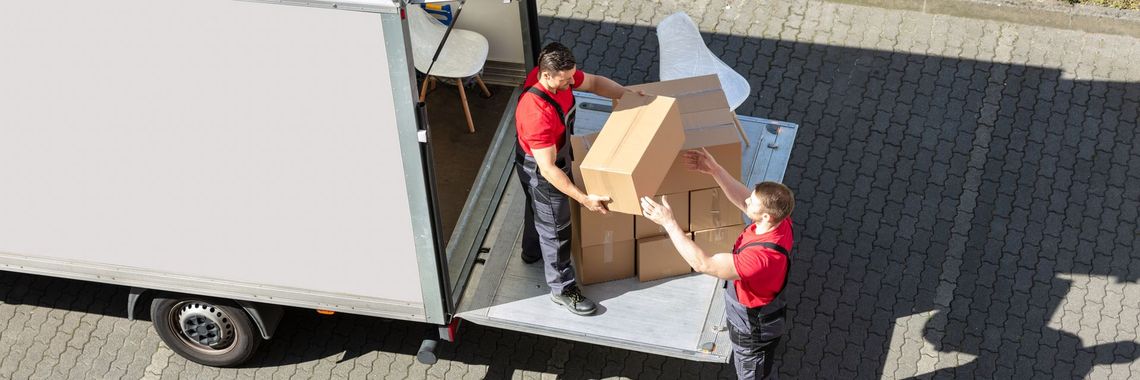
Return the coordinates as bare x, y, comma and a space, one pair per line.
242, 142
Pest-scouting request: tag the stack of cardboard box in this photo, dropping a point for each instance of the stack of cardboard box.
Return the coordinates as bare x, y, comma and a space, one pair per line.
638, 153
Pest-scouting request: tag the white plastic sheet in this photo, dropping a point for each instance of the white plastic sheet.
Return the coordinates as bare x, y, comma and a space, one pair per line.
684, 55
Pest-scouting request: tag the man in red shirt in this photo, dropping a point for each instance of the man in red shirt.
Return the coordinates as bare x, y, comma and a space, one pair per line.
757, 267
544, 120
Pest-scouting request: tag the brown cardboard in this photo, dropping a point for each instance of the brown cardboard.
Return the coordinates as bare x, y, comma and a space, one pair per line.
658, 258
604, 262
633, 152
644, 227
710, 208
595, 228
610, 260
580, 144
701, 93
701, 100
718, 240
709, 123
722, 142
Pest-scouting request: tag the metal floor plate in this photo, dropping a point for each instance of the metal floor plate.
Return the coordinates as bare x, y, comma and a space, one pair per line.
680, 317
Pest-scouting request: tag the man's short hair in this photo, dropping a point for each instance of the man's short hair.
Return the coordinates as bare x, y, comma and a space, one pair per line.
555, 57
776, 200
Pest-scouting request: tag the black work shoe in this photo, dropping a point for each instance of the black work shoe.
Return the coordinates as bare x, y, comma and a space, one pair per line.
573, 299
528, 259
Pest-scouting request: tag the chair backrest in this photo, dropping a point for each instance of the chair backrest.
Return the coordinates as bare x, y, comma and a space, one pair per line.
425, 32
684, 54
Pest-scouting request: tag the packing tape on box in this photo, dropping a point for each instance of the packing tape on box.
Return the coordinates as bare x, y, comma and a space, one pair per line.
624, 136
714, 210
608, 248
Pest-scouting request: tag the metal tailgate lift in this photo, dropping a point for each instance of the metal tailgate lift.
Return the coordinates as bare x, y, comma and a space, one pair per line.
681, 317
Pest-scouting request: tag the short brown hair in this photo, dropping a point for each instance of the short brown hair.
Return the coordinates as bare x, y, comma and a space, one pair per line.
555, 57
776, 200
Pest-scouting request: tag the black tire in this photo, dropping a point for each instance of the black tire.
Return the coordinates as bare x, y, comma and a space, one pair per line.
225, 335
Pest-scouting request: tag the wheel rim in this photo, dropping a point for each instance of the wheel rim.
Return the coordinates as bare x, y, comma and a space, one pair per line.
203, 327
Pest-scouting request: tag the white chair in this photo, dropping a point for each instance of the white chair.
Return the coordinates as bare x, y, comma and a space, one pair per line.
462, 57
684, 55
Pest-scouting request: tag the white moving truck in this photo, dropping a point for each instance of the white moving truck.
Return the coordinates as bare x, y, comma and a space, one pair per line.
226, 158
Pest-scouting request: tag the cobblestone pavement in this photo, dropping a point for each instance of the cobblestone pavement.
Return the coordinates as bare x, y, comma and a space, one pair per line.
968, 196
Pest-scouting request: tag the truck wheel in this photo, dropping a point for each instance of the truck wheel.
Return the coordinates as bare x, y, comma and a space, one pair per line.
203, 330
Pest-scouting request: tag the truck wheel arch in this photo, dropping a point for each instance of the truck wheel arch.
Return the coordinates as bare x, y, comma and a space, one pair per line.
266, 316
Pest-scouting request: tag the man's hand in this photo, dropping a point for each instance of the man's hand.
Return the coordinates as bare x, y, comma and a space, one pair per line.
658, 213
597, 203
639, 92
701, 161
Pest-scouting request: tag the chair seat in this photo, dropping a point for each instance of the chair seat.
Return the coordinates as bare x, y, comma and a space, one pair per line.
463, 55
684, 55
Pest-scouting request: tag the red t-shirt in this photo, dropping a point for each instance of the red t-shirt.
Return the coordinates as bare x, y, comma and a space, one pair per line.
536, 121
761, 269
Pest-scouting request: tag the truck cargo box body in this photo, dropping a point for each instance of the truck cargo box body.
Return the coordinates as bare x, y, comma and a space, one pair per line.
228, 148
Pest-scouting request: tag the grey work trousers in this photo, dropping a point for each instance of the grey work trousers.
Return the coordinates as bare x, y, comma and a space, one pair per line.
546, 228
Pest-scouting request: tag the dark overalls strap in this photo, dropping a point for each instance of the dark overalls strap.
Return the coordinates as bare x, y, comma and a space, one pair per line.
774, 309
567, 124
548, 99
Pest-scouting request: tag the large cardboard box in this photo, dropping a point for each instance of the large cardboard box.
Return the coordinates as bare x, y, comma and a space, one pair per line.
644, 227
709, 123
604, 262
611, 259
718, 240
594, 228
711, 208
633, 152
658, 258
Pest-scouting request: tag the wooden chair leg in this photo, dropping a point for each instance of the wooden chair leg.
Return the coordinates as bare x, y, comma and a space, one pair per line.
466, 109
423, 88
486, 92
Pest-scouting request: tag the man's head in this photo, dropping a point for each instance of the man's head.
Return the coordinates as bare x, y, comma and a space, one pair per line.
770, 203
556, 67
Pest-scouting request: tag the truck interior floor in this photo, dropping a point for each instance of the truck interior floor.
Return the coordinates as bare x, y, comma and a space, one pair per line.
679, 316
457, 153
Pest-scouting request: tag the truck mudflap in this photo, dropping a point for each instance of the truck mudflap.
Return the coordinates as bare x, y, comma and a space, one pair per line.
680, 317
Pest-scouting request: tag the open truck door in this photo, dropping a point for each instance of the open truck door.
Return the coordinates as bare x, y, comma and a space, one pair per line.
681, 317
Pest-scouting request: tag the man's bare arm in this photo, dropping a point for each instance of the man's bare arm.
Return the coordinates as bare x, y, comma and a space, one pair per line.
700, 160
719, 265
